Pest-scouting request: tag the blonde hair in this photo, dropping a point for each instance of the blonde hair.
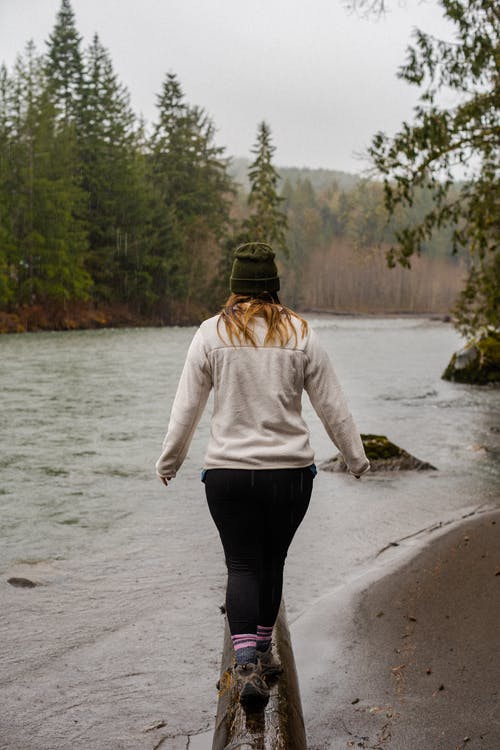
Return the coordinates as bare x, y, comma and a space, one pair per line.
240, 310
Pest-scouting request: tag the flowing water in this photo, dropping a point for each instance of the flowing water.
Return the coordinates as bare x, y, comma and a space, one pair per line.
118, 645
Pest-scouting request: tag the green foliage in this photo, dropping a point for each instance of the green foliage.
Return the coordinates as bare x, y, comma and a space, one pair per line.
111, 175
478, 306
320, 179
316, 218
306, 231
95, 207
267, 222
6, 236
64, 64
363, 217
90, 205
425, 155
192, 191
45, 244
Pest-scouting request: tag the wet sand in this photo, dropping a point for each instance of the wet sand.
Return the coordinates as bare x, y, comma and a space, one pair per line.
410, 659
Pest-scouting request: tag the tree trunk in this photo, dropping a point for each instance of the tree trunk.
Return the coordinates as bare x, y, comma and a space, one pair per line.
281, 725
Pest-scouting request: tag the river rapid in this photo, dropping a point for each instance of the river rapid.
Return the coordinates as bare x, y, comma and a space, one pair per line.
118, 645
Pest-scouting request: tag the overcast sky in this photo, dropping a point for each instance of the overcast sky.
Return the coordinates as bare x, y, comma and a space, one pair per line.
324, 80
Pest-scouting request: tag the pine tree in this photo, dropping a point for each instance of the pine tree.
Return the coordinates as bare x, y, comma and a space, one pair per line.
48, 241
7, 246
267, 223
304, 234
111, 177
192, 191
64, 64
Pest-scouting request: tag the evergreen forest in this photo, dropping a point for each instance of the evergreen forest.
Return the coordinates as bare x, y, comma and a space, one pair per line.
108, 220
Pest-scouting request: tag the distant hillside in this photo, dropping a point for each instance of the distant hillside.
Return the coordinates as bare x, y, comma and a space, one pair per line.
319, 178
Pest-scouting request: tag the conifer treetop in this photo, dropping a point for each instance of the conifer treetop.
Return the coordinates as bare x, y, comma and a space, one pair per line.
64, 64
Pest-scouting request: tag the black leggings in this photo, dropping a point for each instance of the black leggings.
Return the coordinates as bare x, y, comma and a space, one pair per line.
257, 514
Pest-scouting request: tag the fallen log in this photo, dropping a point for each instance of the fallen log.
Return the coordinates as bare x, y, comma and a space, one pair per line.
280, 726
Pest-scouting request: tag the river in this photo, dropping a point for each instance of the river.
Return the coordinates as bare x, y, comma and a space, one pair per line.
119, 644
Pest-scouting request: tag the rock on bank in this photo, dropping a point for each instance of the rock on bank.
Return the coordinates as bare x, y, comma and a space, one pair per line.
478, 363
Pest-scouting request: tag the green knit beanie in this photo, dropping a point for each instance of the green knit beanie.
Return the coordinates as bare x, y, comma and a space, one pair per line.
254, 269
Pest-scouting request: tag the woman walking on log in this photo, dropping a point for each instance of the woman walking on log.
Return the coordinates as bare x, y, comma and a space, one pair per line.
258, 356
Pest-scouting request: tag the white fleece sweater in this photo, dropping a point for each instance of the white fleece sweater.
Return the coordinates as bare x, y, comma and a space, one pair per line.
257, 415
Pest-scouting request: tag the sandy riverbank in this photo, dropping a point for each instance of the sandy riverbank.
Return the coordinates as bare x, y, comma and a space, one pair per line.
411, 660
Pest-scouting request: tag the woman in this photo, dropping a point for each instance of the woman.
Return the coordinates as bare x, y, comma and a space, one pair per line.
258, 356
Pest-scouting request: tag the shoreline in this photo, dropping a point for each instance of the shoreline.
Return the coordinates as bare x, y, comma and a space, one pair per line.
410, 647
439, 316
78, 317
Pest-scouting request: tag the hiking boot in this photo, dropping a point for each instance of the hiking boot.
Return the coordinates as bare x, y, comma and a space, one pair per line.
253, 691
269, 666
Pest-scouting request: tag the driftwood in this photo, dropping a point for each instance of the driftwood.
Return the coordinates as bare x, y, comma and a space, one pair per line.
280, 726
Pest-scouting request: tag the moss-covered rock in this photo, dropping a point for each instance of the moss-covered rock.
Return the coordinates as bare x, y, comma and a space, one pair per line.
383, 456
478, 362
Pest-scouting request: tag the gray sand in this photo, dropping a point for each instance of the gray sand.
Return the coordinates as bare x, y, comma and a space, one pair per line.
415, 656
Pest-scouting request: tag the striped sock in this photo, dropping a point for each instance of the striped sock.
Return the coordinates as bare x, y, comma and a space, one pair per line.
244, 647
264, 636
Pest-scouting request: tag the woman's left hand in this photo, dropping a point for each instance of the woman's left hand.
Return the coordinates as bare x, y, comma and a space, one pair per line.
165, 480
